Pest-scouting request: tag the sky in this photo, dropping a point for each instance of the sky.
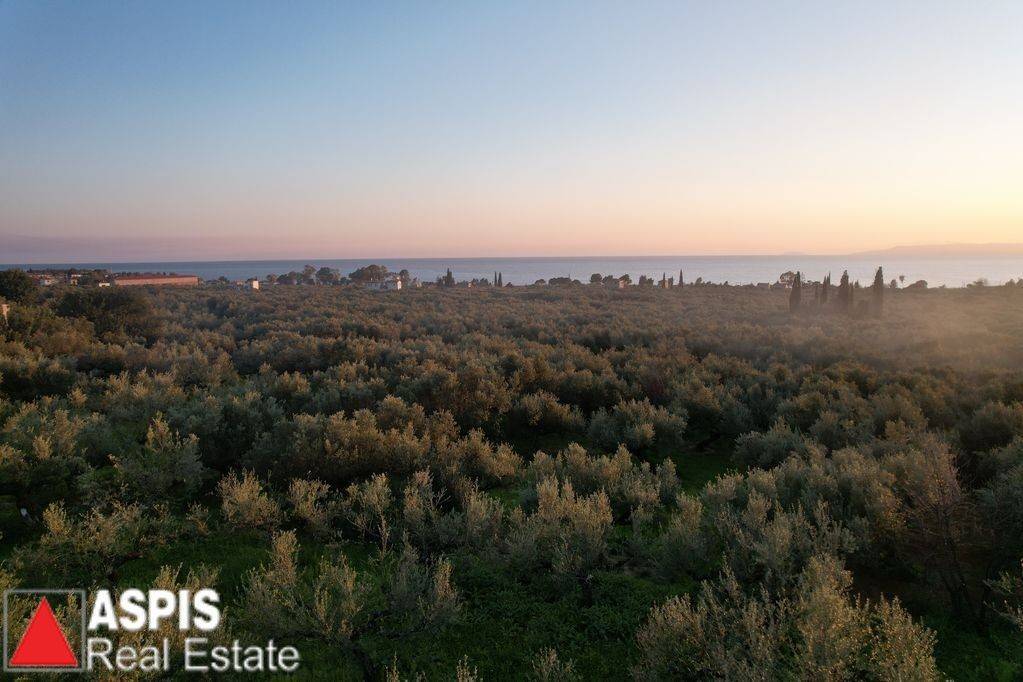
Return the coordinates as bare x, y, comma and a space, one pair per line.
230, 130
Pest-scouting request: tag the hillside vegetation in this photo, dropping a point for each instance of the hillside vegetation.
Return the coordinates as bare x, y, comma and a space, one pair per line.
535, 483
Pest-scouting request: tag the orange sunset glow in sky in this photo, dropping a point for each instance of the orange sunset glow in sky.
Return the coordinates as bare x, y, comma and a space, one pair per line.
257, 130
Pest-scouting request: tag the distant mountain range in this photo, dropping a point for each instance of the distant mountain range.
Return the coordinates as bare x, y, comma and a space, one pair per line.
940, 250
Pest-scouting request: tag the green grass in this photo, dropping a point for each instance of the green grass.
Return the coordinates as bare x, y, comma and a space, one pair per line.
698, 467
527, 443
965, 654
506, 621
234, 553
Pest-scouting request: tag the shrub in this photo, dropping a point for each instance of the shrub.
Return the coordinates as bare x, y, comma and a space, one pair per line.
329, 605
478, 524
466, 673
310, 504
858, 490
475, 457
1009, 590
17, 286
769, 449
638, 425
95, 545
484, 520
45, 454
367, 507
115, 311
567, 533
722, 634
763, 542
812, 630
338, 602
198, 516
548, 667
356, 447
339, 450
943, 529
421, 512
1000, 460
544, 413
634, 490
899, 648
394, 413
421, 595
992, 426
168, 466
245, 504
1001, 509
683, 544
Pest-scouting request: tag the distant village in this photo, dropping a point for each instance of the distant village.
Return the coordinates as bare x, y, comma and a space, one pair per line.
105, 278
376, 277
379, 278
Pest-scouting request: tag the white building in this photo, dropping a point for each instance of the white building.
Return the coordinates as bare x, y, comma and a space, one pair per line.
384, 285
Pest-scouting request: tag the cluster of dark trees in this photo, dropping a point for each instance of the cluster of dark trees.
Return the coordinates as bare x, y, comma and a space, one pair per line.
448, 280
547, 483
331, 276
369, 273
377, 273
844, 298
17, 286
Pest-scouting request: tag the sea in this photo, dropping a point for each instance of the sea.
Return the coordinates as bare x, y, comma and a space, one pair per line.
936, 271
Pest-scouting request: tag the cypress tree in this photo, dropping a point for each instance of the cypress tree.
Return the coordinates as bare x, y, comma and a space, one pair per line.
844, 291
877, 292
824, 288
681, 280
796, 296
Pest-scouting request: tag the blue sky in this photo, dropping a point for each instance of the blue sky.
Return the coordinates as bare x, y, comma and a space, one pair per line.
252, 129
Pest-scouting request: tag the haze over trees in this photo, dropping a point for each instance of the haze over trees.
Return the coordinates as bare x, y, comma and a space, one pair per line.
536, 483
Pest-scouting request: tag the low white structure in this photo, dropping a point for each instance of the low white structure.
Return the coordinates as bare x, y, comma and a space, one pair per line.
383, 285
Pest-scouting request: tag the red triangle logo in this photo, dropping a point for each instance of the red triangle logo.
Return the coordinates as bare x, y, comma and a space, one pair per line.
43, 645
